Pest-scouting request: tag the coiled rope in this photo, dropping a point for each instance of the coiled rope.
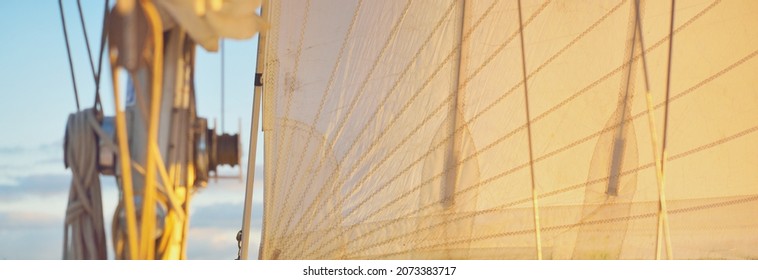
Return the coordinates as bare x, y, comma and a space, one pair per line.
84, 234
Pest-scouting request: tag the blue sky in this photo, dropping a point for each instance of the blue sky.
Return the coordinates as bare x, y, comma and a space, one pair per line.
37, 96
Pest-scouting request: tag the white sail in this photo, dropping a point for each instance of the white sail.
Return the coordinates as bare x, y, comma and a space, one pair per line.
398, 129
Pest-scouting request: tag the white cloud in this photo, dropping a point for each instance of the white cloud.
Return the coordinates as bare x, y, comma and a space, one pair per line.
43, 185
28, 220
31, 244
12, 150
56, 145
32, 213
32, 209
213, 243
222, 215
213, 231
228, 191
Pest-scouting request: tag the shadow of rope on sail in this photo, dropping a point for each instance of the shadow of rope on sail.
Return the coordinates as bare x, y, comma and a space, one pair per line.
545, 156
605, 130
625, 173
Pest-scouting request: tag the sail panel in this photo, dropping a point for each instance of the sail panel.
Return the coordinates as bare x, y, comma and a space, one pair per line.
398, 129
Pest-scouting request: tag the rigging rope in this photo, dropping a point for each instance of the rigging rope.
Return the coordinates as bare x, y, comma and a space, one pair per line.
95, 73
535, 205
68, 51
86, 38
566, 101
663, 224
103, 37
347, 241
84, 234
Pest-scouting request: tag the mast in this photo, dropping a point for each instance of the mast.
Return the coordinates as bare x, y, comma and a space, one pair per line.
247, 212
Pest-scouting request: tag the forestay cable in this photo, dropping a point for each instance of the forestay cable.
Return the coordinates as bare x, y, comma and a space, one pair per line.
68, 51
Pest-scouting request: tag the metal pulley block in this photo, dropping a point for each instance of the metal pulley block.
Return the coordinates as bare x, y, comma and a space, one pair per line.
228, 149
212, 150
106, 151
106, 154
